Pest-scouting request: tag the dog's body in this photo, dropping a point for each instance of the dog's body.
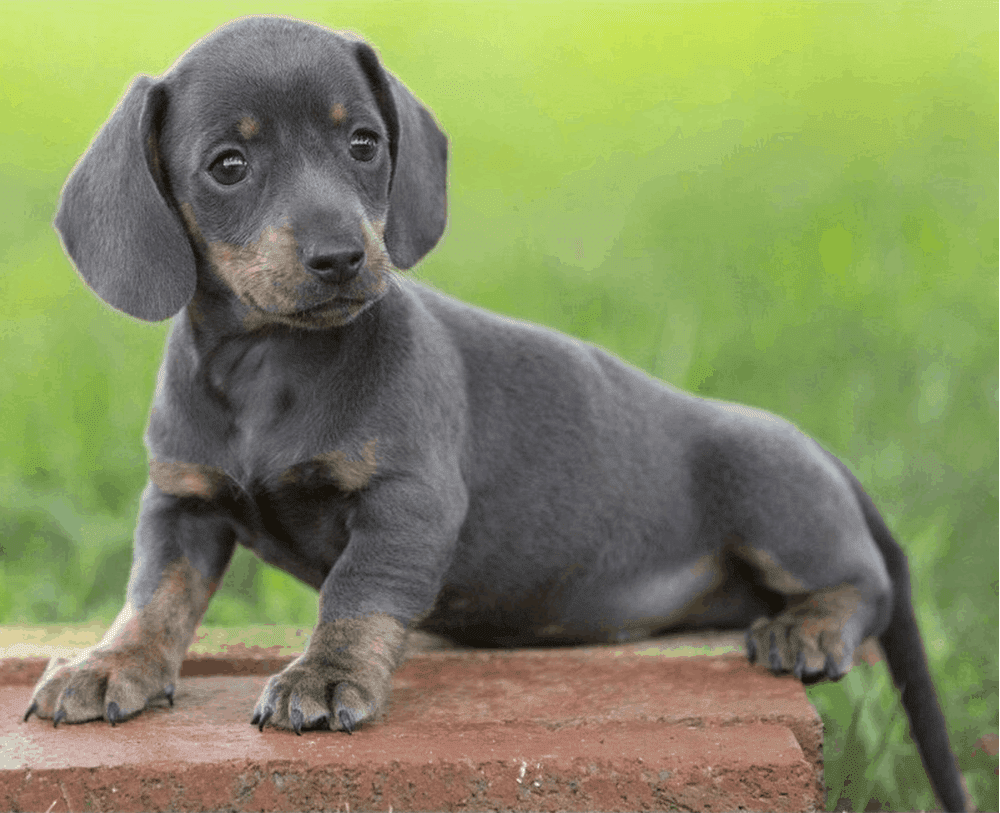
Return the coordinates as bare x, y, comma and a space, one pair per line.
419, 461
573, 498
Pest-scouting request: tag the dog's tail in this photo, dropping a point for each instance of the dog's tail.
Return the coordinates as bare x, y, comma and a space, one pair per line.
904, 651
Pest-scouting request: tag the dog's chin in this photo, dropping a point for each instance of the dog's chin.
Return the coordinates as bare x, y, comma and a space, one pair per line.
336, 312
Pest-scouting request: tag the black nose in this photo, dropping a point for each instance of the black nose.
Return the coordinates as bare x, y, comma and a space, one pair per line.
334, 266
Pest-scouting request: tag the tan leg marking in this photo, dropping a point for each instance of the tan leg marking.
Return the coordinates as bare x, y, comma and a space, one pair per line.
341, 680
351, 475
771, 573
807, 637
187, 479
139, 657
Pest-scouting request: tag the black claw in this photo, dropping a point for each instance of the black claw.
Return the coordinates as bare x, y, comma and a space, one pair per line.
59, 717
773, 655
169, 692
800, 665
830, 667
345, 720
264, 718
751, 648
296, 718
31, 710
256, 718
114, 713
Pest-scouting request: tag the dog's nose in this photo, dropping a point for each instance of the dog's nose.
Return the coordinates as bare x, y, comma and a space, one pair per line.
334, 266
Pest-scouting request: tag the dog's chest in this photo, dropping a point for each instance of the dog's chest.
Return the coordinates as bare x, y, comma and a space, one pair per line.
260, 399
266, 419
248, 429
264, 399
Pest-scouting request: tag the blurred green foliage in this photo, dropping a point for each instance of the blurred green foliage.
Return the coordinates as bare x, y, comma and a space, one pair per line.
792, 205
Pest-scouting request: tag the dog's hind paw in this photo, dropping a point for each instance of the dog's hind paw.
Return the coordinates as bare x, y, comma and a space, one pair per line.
808, 637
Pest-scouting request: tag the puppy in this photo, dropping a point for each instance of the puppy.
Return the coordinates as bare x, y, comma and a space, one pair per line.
420, 462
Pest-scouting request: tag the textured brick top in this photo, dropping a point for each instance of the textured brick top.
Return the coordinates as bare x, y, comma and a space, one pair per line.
641, 726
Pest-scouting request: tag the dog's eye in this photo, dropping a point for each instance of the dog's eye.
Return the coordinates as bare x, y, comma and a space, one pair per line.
229, 168
364, 144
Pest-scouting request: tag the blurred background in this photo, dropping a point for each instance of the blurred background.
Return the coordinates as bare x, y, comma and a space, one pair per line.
790, 205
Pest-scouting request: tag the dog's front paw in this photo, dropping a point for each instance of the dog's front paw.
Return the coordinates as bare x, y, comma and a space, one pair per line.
310, 695
100, 684
341, 681
809, 637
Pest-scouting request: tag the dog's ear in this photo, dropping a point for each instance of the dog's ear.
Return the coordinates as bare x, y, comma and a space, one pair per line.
115, 223
419, 150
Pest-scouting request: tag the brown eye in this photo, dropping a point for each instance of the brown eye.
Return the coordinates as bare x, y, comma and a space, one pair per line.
229, 168
364, 145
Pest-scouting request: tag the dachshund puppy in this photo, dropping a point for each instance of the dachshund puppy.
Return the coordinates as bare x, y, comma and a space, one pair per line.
422, 463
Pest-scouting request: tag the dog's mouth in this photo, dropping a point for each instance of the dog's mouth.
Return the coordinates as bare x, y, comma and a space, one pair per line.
333, 312
336, 303
295, 300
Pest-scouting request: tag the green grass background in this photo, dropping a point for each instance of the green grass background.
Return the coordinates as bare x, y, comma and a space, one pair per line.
792, 205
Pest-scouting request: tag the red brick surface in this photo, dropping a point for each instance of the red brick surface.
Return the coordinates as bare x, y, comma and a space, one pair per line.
608, 728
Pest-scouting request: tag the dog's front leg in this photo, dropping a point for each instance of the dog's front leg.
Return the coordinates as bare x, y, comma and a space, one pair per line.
181, 550
388, 575
341, 680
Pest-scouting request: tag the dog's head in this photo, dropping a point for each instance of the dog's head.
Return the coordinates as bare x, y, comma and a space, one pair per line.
277, 162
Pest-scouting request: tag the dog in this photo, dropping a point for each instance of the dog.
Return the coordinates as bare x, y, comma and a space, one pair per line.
420, 462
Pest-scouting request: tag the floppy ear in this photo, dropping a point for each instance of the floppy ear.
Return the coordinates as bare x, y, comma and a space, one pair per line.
114, 220
419, 150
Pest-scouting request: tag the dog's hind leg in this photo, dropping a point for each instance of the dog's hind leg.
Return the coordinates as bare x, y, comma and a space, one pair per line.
806, 528
784, 510
816, 633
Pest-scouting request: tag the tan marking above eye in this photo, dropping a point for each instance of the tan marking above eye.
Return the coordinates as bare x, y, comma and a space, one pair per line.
187, 479
248, 127
338, 113
351, 475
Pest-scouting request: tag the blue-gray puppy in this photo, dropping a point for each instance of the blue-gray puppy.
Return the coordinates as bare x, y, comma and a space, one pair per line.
420, 462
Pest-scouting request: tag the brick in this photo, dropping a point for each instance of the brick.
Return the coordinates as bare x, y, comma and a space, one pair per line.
614, 728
